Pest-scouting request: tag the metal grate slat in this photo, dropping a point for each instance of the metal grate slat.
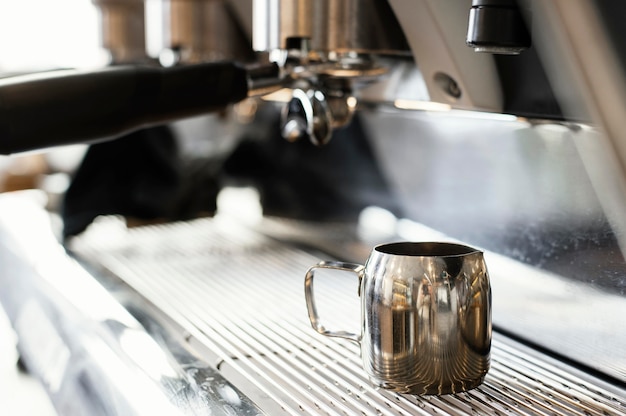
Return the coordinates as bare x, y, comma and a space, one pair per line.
240, 295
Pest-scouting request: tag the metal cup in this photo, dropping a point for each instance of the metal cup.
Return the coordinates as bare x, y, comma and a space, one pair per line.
426, 316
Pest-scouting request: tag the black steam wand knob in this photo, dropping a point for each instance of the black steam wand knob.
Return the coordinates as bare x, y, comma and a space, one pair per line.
498, 26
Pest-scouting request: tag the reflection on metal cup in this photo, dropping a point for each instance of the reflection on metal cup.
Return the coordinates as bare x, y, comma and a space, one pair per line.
426, 311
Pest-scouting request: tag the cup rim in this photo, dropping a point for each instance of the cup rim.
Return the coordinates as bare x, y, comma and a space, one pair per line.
426, 249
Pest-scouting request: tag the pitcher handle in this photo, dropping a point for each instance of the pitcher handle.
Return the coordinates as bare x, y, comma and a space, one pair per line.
310, 301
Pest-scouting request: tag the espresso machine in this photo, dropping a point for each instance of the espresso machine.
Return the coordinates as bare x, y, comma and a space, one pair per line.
235, 143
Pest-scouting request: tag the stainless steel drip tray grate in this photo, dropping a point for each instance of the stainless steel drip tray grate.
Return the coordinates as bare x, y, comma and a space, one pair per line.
240, 297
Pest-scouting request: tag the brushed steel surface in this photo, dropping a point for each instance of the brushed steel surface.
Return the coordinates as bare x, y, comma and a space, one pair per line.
204, 30
123, 29
238, 297
91, 355
331, 25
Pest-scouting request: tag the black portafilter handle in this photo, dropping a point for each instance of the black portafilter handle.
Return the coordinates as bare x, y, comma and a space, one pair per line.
63, 107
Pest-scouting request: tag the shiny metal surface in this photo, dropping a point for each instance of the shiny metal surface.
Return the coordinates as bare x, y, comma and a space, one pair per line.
528, 196
236, 297
426, 311
587, 71
314, 317
435, 30
528, 200
123, 29
325, 47
307, 115
204, 30
91, 354
336, 26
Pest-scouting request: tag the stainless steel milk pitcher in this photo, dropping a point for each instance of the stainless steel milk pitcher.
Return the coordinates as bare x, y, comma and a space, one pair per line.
426, 316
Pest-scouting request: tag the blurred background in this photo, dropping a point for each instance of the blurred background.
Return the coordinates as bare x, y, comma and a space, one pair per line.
40, 35
36, 35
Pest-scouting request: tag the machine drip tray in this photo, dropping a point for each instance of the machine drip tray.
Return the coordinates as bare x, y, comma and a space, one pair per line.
237, 298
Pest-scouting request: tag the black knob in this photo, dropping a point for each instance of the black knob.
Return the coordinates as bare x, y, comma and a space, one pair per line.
498, 26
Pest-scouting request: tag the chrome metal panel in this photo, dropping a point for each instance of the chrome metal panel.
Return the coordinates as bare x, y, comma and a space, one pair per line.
531, 193
238, 298
92, 356
123, 30
332, 26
